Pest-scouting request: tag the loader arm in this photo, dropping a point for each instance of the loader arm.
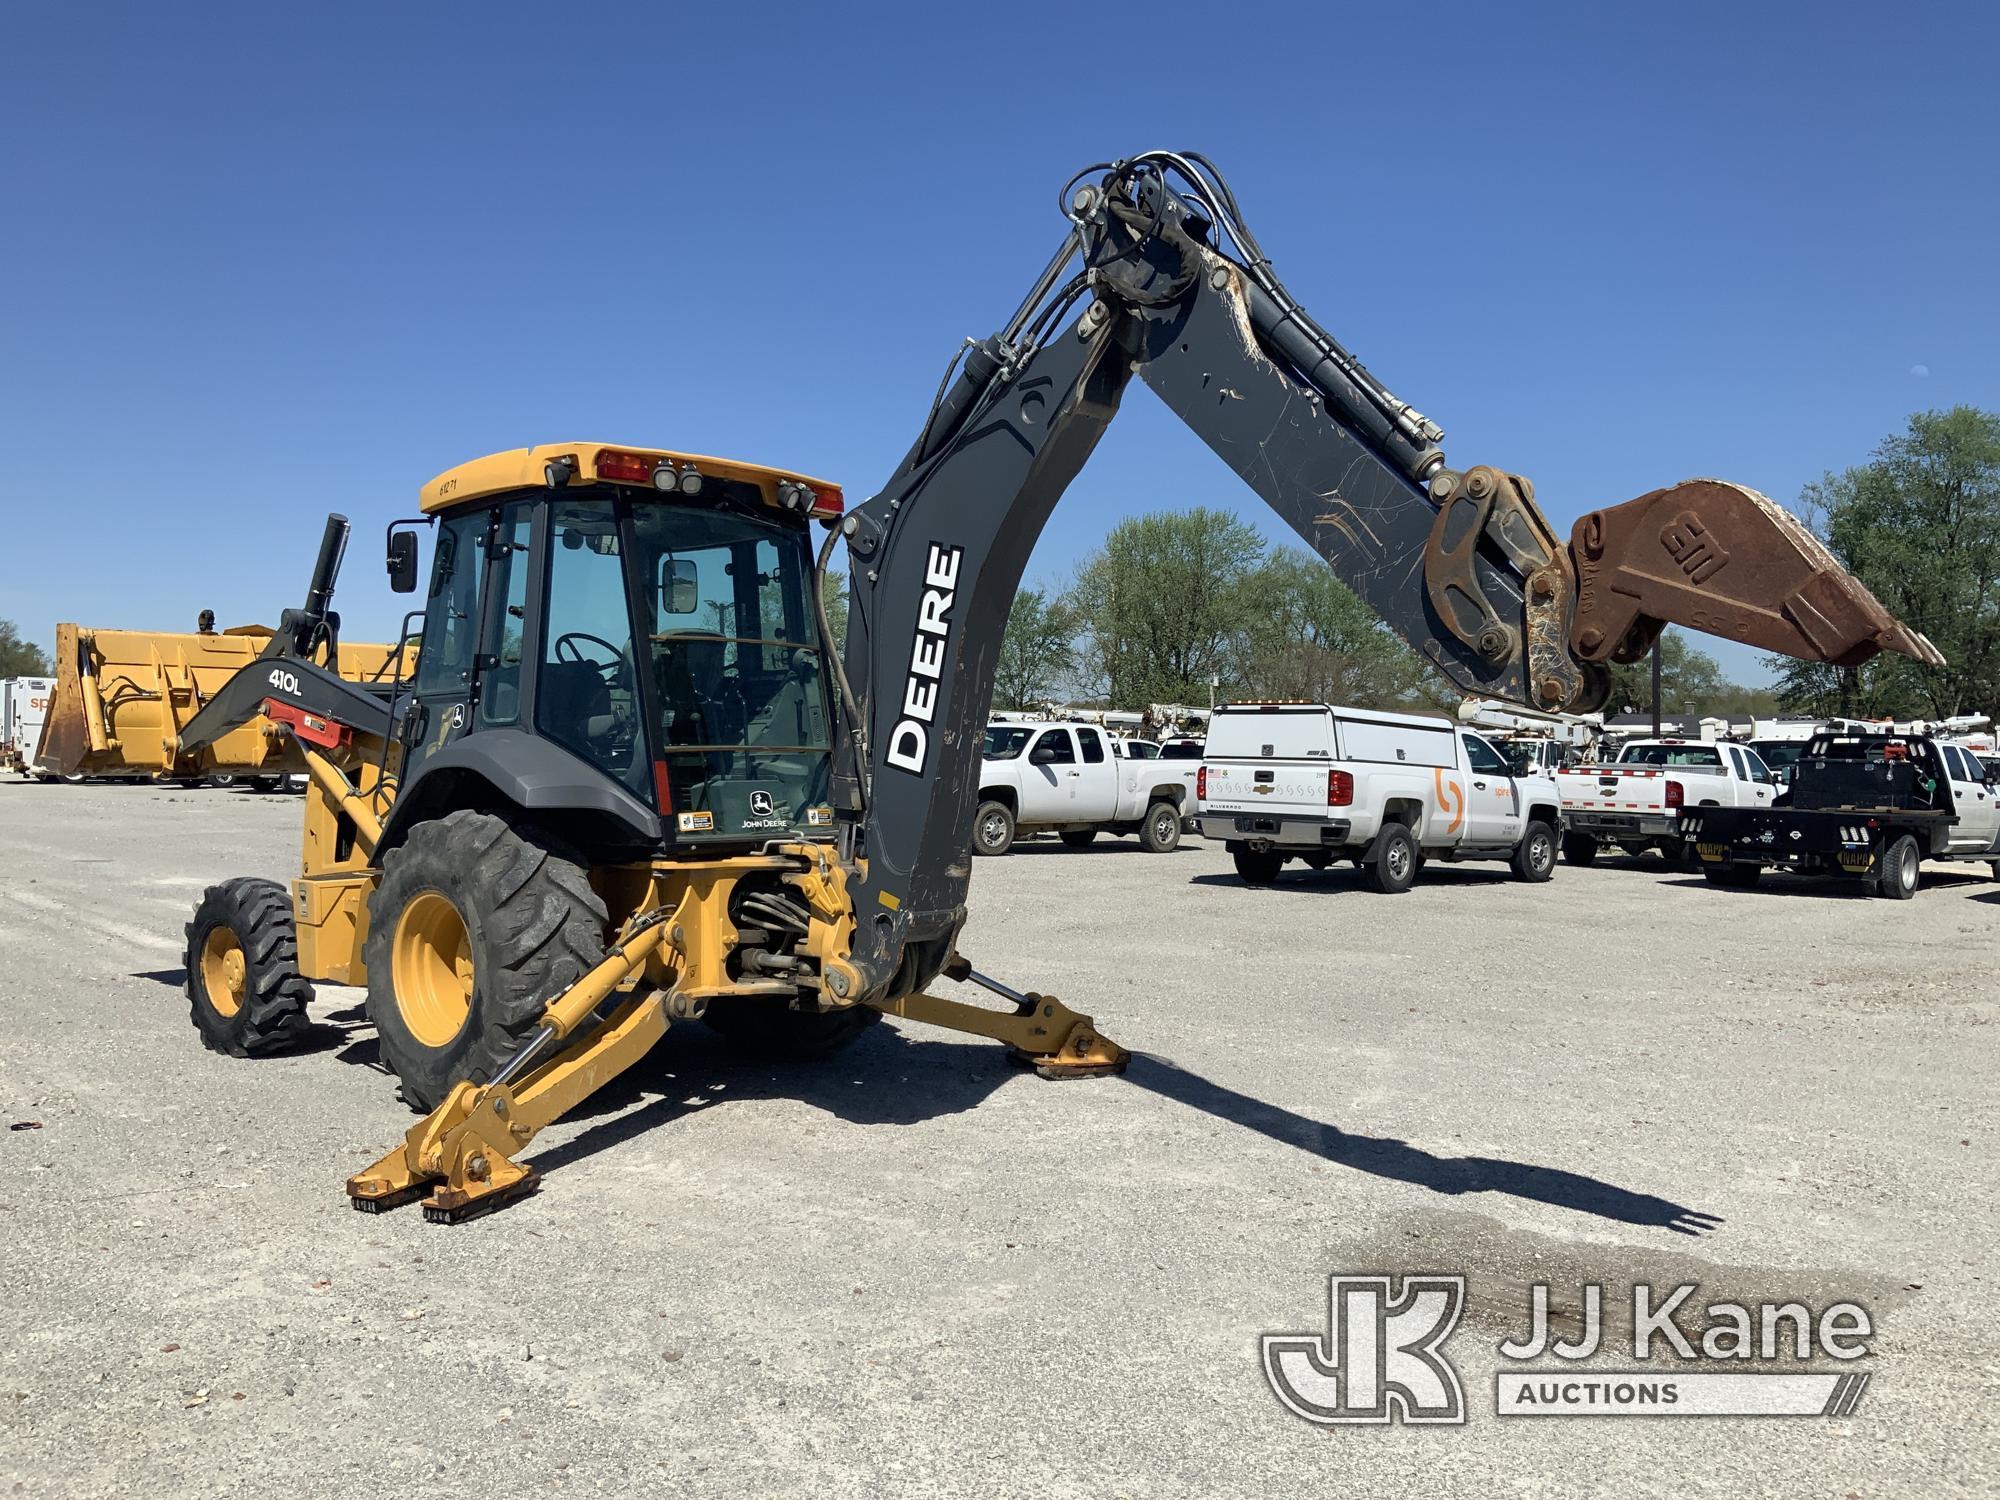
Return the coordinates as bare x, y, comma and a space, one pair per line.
1460, 563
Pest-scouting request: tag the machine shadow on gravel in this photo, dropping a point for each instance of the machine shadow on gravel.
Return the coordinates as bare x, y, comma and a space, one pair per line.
1826, 887
1399, 1161
320, 1036
890, 1077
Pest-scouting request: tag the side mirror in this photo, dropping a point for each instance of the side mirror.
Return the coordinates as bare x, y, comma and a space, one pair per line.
1043, 754
403, 561
680, 586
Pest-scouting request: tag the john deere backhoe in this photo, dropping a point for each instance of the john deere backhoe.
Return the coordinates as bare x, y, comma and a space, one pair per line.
630, 782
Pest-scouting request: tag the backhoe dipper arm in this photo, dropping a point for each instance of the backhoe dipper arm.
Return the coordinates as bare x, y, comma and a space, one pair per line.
1461, 564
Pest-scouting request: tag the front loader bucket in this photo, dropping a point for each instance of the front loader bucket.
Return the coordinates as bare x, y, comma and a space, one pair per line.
122, 698
1721, 558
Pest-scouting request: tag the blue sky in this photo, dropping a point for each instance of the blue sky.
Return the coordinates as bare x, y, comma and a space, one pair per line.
262, 262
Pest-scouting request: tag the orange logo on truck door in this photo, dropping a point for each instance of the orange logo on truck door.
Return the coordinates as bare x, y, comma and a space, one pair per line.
1451, 799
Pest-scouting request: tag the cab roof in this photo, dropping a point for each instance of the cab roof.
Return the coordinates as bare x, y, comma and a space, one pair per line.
527, 468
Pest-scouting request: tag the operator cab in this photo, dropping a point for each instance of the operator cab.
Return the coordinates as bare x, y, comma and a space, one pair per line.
650, 616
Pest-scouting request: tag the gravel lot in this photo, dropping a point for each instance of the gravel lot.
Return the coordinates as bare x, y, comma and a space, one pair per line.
915, 1269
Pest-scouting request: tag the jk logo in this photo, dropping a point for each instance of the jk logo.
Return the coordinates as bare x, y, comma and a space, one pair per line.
1378, 1360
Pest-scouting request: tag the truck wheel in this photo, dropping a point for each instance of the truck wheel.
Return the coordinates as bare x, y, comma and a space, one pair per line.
1078, 838
1678, 853
474, 928
1258, 866
1161, 832
1392, 862
992, 829
245, 992
766, 1027
1898, 878
1579, 848
1535, 856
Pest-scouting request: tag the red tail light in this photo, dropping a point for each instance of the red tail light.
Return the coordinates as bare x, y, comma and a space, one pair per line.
1675, 795
1339, 788
1201, 782
619, 467
828, 502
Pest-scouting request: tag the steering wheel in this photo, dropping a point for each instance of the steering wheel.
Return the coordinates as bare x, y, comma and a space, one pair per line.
567, 649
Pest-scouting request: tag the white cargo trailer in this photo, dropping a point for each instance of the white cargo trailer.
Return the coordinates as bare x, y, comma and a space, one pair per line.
24, 707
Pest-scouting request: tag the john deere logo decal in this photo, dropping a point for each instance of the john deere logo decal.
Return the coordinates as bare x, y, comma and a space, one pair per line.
761, 805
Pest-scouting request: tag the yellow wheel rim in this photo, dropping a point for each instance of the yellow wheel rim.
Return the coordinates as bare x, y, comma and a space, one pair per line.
431, 968
223, 978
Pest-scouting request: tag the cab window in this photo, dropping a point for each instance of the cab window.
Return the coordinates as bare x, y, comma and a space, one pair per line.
1483, 758
451, 614
1093, 747
584, 692
1053, 749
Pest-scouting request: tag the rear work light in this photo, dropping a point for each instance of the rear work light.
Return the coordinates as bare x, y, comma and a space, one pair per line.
1201, 782
1339, 788
1675, 796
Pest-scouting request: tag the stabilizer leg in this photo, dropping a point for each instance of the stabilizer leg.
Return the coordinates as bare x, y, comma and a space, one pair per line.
1040, 1032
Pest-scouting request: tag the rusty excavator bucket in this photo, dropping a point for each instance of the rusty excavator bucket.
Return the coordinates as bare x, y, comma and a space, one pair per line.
1721, 558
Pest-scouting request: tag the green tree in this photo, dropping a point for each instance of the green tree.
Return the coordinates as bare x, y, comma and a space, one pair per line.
1038, 653
1920, 525
1163, 604
1308, 636
18, 657
1691, 681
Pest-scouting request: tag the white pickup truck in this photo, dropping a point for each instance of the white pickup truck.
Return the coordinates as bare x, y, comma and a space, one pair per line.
1635, 801
1078, 781
1306, 781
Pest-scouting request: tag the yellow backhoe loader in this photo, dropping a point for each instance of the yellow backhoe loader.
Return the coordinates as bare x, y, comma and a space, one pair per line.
630, 781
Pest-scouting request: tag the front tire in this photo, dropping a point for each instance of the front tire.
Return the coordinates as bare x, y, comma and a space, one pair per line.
1161, 832
245, 993
1392, 862
473, 929
1535, 856
1898, 877
992, 829
1579, 848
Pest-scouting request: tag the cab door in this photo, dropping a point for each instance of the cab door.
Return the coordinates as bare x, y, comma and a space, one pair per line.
1048, 783
1973, 803
1763, 784
1096, 782
474, 619
1493, 799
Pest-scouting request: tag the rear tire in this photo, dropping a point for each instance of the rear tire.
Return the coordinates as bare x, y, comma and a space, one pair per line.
766, 1027
1579, 848
1161, 832
1078, 838
1535, 856
473, 929
245, 993
1898, 878
992, 829
1392, 861
1678, 853
1258, 867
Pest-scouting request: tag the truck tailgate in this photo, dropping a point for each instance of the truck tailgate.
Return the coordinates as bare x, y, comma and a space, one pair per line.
1618, 789
1294, 789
